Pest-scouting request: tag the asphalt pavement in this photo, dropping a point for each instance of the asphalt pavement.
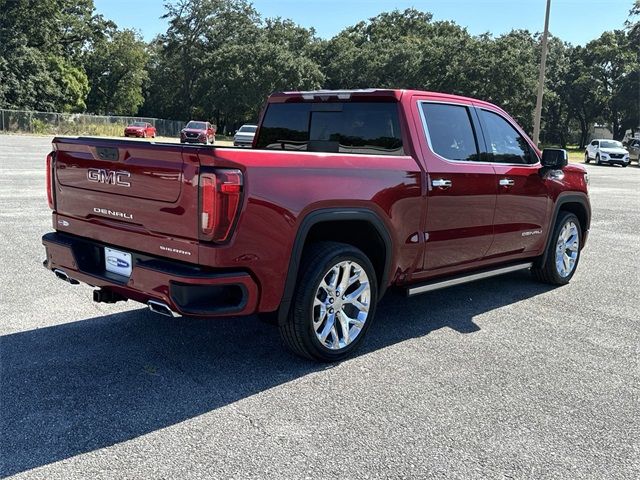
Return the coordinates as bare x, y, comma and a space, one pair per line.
502, 378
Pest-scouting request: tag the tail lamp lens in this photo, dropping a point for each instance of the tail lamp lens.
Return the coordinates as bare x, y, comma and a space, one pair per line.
220, 194
49, 179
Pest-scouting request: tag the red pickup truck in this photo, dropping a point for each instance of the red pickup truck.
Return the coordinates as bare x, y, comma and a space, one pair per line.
343, 195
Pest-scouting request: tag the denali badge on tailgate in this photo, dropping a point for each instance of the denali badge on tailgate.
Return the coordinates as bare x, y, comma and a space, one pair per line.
113, 177
113, 213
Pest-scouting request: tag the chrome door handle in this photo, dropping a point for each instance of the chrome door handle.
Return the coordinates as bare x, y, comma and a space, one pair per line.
441, 183
506, 182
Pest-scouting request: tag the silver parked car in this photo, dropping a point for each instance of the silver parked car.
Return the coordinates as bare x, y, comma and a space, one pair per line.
244, 136
634, 149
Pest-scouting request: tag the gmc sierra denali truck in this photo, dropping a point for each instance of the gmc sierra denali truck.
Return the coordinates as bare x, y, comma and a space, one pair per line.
343, 195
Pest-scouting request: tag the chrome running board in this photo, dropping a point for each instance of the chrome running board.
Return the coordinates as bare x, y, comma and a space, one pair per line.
437, 285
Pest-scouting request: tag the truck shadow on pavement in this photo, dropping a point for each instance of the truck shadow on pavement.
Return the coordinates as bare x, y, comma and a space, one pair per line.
81, 386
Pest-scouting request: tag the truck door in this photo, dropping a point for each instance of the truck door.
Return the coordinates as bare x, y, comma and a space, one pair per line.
523, 201
462, 191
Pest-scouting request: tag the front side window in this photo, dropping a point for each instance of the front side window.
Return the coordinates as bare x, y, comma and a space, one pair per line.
594, 143
504, 142
450, 131
347, 127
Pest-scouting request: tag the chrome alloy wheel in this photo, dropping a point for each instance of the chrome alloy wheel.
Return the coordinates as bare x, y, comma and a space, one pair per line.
341, 305
567, 249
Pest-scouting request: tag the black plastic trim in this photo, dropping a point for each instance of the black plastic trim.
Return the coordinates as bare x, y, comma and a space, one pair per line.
563, 199
212, 299
328, 215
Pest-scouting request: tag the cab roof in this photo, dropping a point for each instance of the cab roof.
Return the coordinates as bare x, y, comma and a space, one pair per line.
389, 94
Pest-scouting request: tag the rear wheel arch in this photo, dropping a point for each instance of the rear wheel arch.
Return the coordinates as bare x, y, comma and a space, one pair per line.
345, 225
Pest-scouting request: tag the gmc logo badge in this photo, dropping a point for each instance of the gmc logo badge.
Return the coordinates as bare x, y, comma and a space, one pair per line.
112, 177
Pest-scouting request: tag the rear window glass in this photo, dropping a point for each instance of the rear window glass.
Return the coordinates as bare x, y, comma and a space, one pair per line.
365, 128
248, 129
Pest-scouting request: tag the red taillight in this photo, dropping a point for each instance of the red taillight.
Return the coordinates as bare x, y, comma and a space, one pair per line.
49, 180
219, 202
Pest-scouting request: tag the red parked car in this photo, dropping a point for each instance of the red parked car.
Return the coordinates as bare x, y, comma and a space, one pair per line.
343, 195
140, 129
198, 132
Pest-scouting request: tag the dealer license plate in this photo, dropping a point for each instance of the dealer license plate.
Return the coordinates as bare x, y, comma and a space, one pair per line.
117, 262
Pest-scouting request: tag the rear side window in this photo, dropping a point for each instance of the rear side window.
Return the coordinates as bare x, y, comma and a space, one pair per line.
349, 127
450, 131
504, 142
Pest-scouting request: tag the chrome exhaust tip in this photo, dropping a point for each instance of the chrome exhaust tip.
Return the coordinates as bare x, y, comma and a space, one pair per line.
162, 308
62, 275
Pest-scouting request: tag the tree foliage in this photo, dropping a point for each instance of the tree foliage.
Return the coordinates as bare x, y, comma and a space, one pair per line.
219, 59
40, 48
117, 70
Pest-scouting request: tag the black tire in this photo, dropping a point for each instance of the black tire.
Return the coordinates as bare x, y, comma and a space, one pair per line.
586, 158
598, 162
548, 272
297, 331
624, 165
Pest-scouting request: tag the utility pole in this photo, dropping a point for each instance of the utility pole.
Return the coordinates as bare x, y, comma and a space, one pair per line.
543, 61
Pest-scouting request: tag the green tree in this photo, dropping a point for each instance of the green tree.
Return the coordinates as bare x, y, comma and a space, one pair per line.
243, 75
583, 93
614, 65
197, 29
40, 48
556, 116
116, 67
408, 50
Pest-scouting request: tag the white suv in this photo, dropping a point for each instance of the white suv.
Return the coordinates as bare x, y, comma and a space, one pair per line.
607, 151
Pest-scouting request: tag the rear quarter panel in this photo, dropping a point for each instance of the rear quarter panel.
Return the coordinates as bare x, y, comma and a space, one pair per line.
281, 188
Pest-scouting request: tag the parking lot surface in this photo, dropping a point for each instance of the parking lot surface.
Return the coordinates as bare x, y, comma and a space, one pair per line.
502, 378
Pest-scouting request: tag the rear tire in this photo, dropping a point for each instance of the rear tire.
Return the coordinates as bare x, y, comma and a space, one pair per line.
563, 252
333, 304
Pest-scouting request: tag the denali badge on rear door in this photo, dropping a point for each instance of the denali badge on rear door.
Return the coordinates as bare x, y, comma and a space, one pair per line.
112, 177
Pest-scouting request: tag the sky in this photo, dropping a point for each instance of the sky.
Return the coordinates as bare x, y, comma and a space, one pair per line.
575, 21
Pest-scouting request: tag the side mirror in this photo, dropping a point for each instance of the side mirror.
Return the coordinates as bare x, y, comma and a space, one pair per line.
555, 158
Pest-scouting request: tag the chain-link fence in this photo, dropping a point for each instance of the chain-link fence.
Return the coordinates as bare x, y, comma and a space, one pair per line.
79, 124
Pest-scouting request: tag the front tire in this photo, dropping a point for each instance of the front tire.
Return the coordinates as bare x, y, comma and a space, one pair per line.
334, 302
563, 252
598, 162
586, 158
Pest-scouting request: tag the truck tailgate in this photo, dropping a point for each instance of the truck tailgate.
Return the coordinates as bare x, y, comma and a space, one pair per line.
140, 195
